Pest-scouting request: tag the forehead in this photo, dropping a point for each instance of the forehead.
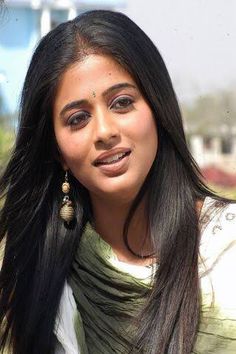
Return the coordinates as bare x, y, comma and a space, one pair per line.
95, 72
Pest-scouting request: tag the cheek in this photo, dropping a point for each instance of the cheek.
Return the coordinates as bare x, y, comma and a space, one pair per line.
72, 149
145, 130
147, 140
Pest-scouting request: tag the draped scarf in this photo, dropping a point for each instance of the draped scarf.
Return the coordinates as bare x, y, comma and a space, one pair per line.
108, 299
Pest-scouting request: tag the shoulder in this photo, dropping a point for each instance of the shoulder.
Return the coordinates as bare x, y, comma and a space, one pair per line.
218, 222
218, 240
218, 252
217, 265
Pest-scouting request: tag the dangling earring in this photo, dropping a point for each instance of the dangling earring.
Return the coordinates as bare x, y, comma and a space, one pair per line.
67, 212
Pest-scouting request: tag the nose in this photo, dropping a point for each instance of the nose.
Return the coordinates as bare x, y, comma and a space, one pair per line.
107, 129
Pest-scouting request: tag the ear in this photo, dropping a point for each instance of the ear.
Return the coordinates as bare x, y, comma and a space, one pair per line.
64, 165
59, 158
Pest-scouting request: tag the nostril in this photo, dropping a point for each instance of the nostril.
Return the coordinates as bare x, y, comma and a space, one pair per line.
107, 139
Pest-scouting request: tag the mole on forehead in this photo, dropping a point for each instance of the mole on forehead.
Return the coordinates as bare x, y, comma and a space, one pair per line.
94, 94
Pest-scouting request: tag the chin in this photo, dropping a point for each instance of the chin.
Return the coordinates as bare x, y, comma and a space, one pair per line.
121, 193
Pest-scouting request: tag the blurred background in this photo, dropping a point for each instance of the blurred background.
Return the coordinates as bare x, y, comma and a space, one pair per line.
197, 39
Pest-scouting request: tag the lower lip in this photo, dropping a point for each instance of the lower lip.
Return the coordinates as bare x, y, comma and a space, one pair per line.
116, 168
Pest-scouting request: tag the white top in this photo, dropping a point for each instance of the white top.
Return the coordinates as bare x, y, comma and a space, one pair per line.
217, 265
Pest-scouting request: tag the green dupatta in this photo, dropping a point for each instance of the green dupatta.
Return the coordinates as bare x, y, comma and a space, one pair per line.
107, 298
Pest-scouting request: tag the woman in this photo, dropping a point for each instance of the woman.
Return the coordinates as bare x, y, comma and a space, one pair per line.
110, 263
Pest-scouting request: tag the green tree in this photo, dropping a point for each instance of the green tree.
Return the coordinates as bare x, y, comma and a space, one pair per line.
211, 113
6, 142
6, 135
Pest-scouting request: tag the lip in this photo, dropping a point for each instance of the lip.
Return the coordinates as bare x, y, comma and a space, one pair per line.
110, 153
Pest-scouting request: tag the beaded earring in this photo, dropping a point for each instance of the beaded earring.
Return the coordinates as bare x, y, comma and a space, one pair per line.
67, 212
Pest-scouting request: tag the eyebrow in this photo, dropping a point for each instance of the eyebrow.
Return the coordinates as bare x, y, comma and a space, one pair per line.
78, 103
118, 87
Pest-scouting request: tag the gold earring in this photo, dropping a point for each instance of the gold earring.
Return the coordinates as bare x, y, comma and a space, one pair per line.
67, 212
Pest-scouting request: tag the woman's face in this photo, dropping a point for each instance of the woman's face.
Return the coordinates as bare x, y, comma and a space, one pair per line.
104, 128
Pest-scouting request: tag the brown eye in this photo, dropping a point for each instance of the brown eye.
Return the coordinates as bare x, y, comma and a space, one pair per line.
78, 119
122, 103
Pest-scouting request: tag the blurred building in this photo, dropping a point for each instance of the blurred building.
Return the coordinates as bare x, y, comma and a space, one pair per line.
216, 155
23, 24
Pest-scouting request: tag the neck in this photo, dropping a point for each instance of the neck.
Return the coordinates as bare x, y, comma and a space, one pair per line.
109, 220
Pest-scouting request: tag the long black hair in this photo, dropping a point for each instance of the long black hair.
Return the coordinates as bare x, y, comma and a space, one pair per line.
39, 249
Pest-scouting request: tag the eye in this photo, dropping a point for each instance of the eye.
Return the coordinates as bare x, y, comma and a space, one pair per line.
122, 103
79, 119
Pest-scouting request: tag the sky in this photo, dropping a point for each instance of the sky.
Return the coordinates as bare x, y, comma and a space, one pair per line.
197, 39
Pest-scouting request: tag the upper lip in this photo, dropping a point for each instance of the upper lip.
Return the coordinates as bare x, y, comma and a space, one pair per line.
110, 153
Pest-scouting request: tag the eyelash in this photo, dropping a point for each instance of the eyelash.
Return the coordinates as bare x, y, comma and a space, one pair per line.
123, 99
83, 116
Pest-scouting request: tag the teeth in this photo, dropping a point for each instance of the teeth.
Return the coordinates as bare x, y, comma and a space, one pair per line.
113, 158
